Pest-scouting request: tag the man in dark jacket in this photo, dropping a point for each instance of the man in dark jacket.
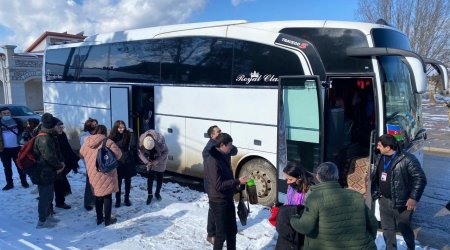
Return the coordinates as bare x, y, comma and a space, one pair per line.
335, 218
213, 132
398, 181
10, 130
221, 188
49, 163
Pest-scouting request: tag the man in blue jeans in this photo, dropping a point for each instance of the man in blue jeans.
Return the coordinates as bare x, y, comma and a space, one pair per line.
220, 188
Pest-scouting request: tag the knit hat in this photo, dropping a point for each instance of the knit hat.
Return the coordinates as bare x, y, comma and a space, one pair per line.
58, 122
148, 143
48, 121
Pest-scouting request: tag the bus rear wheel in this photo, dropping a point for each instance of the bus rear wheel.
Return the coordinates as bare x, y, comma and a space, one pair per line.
265, 178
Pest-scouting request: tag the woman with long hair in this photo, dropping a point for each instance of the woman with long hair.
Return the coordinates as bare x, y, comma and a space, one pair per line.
103, 184
123, 139
299, 182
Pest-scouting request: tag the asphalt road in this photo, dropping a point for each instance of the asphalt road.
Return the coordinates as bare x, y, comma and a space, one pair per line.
432, 220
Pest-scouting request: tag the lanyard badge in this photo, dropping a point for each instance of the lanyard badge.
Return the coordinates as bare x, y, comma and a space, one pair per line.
386, 166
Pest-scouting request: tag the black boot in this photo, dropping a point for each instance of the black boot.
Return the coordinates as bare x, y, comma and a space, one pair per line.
117, 200
127, 201
8, 187
149, 199
110, 221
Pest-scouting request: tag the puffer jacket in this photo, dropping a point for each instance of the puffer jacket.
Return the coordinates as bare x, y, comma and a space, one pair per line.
102, 183
408, 179
49, 157
162, 151
336, 218
221, 183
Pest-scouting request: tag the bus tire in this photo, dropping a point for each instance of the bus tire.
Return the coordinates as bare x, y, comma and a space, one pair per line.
265, 178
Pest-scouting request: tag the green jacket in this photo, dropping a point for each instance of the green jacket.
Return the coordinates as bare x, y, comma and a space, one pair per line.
49, 157
336, 218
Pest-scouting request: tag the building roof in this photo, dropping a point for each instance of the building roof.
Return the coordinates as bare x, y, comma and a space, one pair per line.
54, 34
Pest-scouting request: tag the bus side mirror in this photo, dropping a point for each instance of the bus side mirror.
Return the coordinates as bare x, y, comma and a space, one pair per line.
419, 78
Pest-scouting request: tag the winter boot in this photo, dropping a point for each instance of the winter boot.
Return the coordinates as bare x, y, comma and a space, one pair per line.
110, 221
149, 199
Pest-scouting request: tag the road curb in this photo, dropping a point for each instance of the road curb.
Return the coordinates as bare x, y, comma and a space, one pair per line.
437, 150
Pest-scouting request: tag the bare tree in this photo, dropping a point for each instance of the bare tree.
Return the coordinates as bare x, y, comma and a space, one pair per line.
425, 22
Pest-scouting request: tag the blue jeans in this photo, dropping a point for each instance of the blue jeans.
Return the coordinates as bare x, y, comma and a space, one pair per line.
224, 214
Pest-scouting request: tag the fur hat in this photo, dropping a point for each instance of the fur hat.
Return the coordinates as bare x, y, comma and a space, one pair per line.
48, 121
148, 143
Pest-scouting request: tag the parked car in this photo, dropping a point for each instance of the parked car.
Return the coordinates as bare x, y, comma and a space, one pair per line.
21, 112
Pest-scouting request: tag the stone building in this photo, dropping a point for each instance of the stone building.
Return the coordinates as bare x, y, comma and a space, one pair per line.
21, 73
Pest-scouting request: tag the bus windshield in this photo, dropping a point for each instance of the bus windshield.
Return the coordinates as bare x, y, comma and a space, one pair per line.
402, 105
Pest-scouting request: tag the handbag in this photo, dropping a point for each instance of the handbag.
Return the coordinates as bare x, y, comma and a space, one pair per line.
242, 210
274, 213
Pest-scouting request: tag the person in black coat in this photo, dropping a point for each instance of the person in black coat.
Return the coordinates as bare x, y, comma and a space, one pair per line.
398, 181
62, 185
213, 132
220, 188
125, 141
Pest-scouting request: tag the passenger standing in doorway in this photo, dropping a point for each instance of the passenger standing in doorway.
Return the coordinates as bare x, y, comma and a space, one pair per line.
221, 187
398, 181
89, 126
11, 130
213, 132
103, 184
124, 140
153, 152
148, 113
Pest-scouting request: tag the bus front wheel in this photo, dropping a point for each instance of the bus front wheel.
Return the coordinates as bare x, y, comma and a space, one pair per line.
265, 178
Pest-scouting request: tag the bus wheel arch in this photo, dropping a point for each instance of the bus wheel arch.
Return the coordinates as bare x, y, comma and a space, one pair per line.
265, 176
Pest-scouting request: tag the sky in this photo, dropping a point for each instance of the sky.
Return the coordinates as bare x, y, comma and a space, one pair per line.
23, 21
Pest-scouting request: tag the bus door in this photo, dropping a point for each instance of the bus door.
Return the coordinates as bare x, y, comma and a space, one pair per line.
143, 107
350, 118
299, 124
119, 104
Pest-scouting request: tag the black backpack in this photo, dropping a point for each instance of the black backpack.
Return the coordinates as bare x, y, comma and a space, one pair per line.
106, 161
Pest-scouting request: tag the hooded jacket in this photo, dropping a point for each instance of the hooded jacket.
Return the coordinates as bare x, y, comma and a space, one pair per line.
102, 183
161, 154
408, 179
219, 176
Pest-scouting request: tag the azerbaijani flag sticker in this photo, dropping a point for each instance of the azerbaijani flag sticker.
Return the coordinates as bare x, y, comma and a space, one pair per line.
395, 130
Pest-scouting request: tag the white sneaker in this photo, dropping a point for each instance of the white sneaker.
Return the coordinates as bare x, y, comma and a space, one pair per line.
45, 224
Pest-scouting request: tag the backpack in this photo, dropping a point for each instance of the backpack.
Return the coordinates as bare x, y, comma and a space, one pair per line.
106, 161
26, 158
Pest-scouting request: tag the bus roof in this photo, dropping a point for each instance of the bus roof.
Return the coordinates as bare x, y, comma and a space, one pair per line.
219, 28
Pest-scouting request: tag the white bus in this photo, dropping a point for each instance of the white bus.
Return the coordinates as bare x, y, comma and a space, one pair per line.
311, 91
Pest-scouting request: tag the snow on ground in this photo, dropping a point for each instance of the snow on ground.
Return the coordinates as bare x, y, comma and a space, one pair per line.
176, 222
